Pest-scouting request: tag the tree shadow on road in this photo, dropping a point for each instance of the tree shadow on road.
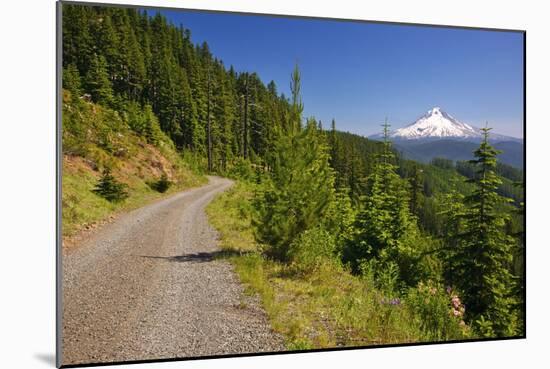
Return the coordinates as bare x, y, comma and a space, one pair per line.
199, 257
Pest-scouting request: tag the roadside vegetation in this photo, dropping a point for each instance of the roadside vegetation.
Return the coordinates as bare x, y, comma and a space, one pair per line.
316, 302
108, 168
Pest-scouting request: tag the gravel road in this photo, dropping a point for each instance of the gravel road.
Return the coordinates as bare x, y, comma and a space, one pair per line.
148, 286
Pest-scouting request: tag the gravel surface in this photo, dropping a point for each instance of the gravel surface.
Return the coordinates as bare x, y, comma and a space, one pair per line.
148, 286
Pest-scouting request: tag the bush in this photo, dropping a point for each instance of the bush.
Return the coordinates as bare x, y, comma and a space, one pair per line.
438, 312
194, 161
109, 188
417, 259
162, 185
338, 220
311, 248
241, 169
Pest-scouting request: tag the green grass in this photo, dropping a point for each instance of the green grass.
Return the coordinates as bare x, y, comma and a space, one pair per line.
81, 207
327, 307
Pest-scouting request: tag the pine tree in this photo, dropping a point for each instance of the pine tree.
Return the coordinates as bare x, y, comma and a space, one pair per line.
109, 188
78, 43
208, 119
107, 45
519, 263
417, 186
385, 218
97, 81
300, 186
335, 160
452, 209
71, 80
296, 107
246, 105
482, 260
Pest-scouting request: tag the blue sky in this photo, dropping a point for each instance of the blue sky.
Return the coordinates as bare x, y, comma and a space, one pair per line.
358, 73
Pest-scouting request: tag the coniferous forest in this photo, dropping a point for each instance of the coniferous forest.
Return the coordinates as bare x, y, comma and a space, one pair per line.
345, 241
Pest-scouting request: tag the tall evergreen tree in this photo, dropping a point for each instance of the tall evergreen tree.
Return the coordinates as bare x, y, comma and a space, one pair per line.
78, 43
385, 217
483, 256
301, 182
97, 81
71, 80
417, 186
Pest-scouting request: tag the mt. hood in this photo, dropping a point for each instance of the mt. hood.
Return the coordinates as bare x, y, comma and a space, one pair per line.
438, 134
437, 124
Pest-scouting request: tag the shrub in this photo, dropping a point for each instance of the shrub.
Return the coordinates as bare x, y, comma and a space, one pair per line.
311, 248
417, 259
241, 169
162, 185
109, 188
438, 312
384, 275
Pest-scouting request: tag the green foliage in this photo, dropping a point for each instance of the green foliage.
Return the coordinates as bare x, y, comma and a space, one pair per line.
481, 256
241, 169
385, 218
109, 188
318, 303
298, 191
150, 69
299, 188
416, 183
144, 122
97, 81
434, 313
507, 173
71, 80
162, 184
312, 248
352, 157
442, 163
339, 220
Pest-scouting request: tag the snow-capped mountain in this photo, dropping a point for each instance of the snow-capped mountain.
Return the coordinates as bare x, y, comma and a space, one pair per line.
437, 124
438, 134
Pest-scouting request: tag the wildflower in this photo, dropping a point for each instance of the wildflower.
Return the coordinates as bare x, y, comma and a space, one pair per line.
455, 301
449, 290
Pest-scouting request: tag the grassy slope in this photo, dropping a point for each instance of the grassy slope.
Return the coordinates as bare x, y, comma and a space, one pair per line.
134, 161
328, 307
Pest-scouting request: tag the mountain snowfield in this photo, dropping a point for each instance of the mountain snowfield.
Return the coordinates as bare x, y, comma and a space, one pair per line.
437, 124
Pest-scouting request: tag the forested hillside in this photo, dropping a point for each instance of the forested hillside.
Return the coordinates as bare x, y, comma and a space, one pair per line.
424, 252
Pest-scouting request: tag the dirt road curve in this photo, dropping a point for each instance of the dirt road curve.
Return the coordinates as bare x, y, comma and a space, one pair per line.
148, 287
